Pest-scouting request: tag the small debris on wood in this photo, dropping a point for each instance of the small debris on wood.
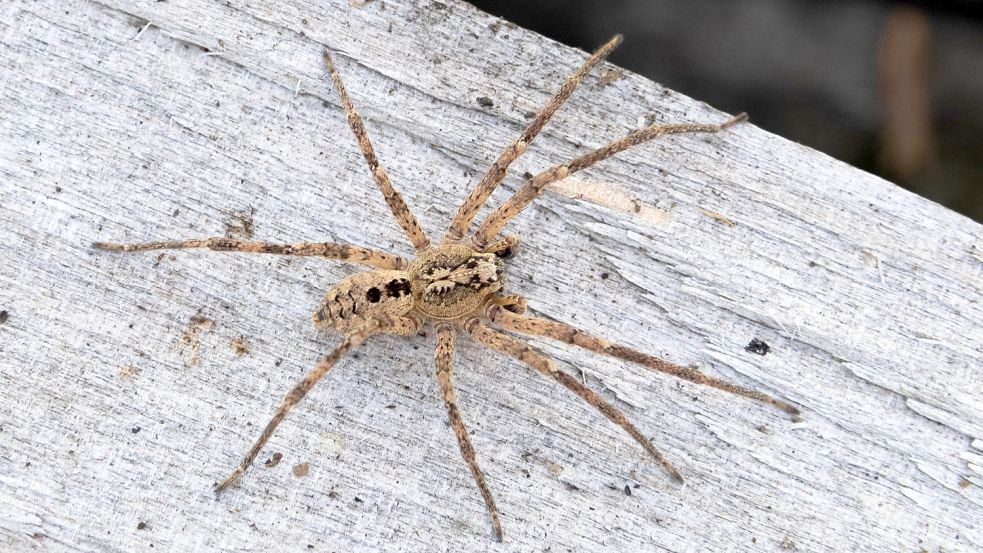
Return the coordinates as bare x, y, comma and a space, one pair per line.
274, 460
609, 75
4, 316
135, 429
128, 372
240, 225
485, 102
240, 346
627, 490
788, 545
757, 346
717, 216
191, 337
604, 276
358, 499
141, 525
303, 469
965, 483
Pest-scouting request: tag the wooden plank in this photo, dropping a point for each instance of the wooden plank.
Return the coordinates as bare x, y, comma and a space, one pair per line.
130, 384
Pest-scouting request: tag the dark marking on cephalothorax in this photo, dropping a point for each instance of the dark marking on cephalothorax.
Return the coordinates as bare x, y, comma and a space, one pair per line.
398, 287
373, 295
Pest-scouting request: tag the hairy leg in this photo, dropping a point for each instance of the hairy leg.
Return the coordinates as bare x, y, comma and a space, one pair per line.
566, 333
521, 351
301, 388
343, 252
504, 248
474, 201
442, 357
396, 204
494, 222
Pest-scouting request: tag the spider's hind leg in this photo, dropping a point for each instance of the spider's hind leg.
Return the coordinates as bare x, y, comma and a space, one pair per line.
442, 358
297, 393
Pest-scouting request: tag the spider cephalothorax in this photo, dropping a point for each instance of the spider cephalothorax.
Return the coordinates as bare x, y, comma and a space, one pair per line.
454, 280
455, 285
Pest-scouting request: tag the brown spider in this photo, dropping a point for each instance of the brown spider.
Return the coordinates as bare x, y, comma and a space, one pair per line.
457, 284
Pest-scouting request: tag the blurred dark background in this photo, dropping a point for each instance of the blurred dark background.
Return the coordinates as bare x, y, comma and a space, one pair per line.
892, 88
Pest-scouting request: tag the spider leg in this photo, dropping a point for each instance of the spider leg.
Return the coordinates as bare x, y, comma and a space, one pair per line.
494, 222
442, 357
474, 201
396, 204
521, 351
565, 333
504, 248
298, 392
343, 252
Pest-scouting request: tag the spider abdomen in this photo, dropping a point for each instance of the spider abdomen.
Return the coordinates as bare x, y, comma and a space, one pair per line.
365, 296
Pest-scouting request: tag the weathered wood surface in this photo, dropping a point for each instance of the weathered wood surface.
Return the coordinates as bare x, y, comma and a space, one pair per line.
123, 396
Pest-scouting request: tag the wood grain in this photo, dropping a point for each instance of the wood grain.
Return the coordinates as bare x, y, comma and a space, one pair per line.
123, 397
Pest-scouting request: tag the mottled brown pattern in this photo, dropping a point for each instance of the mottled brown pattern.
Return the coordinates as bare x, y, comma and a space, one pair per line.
456, 285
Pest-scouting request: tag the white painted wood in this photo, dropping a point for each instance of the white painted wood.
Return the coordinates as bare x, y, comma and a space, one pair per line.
143, 120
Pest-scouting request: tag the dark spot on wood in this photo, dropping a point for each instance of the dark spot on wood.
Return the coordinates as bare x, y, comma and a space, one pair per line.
4, 316
135, 429
398, 287
604, 276
757, 346
274, 460
627, 490
485, 102
358, 499
373, 295
57, 189
141, 525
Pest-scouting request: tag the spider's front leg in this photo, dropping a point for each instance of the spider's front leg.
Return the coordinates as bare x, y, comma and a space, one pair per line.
330, 250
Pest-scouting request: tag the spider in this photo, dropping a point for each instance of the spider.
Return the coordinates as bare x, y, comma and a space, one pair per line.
457, 286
